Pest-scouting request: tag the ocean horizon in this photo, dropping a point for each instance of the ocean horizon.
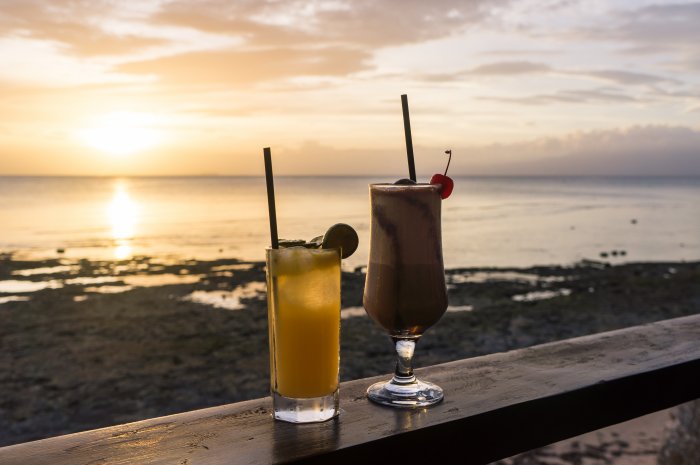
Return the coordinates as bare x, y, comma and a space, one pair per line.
488, 221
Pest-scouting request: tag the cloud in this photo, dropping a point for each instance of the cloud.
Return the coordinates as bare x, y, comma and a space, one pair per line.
625, 77
361, 23
672, 24
518, 68
87, 41
635, 151
668, 29
522, 52
639, 150
692, 61
509, 68
57, 21
601, 95
665, 31
249, 67
278, 40
498, 68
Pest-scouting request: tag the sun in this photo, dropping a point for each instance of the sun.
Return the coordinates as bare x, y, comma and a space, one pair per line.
121, 133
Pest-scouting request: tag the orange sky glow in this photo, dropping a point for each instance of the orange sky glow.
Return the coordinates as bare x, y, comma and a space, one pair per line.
190, 87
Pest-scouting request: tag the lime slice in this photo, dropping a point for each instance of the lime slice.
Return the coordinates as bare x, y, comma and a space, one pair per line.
284, 243
343, 236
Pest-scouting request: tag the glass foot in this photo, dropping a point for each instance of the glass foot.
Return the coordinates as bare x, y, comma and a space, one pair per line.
414, 394
311, 410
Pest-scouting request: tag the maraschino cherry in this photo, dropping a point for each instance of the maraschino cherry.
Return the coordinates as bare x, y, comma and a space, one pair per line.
445, 182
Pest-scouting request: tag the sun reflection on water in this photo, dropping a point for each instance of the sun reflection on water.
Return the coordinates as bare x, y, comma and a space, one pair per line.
123, 250
122, 212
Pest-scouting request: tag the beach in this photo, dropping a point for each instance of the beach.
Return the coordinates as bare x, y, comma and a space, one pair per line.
92, 343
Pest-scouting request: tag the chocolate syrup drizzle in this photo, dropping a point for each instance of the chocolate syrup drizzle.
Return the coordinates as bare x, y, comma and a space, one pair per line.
381, 219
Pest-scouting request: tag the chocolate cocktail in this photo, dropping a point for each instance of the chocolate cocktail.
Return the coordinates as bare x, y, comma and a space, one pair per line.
405, 289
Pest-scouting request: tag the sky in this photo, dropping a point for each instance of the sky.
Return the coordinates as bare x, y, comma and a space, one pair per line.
199, 87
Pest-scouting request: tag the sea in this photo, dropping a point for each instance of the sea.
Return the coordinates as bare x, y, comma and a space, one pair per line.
486, 222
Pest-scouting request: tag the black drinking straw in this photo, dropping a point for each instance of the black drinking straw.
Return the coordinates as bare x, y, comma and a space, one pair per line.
409, 139
271, 197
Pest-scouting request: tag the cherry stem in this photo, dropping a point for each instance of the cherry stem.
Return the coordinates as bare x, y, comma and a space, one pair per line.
449, 152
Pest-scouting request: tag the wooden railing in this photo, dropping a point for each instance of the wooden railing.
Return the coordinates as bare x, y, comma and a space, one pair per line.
495, 406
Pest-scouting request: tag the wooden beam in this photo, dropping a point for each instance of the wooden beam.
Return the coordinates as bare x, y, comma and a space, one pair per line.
495, 406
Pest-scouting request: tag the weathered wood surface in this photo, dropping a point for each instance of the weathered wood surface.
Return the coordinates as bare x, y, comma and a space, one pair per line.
495, 406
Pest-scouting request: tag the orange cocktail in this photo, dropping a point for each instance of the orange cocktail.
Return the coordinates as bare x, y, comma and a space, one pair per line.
304, 318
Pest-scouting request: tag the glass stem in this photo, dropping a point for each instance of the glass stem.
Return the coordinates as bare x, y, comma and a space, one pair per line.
404, 360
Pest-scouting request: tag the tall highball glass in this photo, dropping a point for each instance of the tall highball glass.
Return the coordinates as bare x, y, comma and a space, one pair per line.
303, 290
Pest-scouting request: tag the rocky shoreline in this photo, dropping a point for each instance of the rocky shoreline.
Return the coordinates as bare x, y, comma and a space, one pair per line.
86, 344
